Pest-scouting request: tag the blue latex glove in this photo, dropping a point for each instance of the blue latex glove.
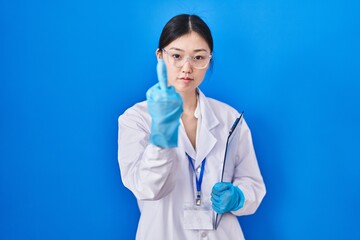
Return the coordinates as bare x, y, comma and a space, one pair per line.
165, 107
226, 197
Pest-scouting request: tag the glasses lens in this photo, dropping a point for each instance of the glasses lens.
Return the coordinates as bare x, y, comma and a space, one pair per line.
178, 59
200, 60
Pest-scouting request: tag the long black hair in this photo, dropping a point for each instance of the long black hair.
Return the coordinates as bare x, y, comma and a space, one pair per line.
183, 24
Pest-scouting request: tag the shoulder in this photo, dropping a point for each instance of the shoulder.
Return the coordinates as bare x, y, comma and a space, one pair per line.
225, 113
221, 105
135, 114
140, 107
221, 112
220, 109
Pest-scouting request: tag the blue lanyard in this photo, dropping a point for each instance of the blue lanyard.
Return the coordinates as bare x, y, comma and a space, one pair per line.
198, 180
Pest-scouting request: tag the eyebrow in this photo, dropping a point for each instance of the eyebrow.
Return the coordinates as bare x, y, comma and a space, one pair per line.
196, 50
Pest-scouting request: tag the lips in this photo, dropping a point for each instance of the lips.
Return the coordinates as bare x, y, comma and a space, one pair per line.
186, 79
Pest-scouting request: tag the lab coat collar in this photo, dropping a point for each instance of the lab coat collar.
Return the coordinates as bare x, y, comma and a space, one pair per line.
206, 140
209, 118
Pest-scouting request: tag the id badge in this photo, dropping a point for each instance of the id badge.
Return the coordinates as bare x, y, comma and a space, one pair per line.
198, 217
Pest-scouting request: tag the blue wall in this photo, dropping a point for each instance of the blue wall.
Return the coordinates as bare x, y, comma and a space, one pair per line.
69, 68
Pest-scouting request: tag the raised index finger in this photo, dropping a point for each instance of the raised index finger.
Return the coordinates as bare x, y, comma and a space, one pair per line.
162, 74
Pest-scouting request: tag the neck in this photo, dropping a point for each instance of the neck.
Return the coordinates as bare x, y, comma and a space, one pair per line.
189, 101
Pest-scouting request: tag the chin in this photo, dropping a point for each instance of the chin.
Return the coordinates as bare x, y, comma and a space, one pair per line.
184, 89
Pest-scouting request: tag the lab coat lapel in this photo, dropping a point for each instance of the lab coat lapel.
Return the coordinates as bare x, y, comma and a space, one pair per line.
206, 139
185, 144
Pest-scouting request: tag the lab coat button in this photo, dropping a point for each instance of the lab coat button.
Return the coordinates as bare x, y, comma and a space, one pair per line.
203, 234
198, 170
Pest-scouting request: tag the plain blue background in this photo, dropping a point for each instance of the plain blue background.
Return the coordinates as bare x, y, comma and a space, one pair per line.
70, 68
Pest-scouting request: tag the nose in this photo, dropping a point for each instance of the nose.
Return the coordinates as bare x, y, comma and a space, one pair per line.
187, 67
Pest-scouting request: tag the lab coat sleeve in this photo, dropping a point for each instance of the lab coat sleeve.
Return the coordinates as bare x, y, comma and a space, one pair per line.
247, 175
147, 170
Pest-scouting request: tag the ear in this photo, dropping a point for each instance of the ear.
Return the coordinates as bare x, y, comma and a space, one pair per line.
159, 54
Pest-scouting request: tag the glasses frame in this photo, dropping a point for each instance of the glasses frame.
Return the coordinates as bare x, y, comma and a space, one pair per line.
187, 60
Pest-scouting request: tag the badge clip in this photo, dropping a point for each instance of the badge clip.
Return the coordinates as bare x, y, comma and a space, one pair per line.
198, 199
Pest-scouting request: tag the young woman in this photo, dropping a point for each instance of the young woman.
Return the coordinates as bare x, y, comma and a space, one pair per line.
172, 147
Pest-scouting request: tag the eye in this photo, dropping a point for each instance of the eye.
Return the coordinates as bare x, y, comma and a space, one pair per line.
199, 57
176, 56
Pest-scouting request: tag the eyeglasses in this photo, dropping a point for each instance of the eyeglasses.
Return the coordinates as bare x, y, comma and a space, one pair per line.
177, 58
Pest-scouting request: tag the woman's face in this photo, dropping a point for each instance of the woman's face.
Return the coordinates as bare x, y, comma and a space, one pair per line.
185, 79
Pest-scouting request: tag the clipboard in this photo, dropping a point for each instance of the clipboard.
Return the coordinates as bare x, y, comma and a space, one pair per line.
217, 218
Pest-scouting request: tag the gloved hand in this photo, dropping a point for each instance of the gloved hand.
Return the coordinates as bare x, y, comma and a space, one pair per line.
226, 197
165, 107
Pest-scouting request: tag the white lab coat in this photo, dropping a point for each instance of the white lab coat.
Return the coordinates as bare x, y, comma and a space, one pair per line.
162, 179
